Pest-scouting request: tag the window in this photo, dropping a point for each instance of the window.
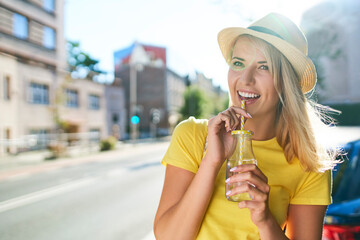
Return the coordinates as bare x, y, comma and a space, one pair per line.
49, 5
94, 102
39, 93
20, 26
49, 37
72, 98
7, 88
115, 118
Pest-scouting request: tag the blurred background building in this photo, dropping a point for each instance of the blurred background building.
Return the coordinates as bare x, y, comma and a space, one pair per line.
38, 97
32, 58
159, 93
333, 32
158, 90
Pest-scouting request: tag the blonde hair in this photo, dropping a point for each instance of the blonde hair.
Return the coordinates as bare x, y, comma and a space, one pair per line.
297, 117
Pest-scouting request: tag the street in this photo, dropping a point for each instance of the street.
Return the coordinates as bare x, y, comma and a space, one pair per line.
110, 198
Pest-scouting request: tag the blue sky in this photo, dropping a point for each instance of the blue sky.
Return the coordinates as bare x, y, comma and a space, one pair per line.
187, 28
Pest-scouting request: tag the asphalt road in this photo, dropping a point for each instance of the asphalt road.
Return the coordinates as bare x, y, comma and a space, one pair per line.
111, 198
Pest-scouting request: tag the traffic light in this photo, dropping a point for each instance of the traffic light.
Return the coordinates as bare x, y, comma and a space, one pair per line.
155, 116
135, 119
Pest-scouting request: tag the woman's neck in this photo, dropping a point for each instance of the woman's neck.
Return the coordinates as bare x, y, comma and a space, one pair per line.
263, 128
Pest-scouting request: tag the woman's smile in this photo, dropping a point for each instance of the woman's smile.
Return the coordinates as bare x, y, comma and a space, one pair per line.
248, 96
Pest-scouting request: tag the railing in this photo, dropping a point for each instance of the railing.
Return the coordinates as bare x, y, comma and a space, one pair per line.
53, 142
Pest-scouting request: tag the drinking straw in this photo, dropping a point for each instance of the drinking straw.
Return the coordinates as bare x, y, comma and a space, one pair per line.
242, 117
241, 136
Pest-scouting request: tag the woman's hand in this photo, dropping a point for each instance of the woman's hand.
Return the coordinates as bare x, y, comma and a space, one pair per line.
220, 142
255, 183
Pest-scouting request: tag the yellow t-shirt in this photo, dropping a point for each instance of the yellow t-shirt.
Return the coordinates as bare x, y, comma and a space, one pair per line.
289, 183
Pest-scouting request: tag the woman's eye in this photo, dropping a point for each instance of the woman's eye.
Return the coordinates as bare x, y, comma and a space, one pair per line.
264, 67
237, 65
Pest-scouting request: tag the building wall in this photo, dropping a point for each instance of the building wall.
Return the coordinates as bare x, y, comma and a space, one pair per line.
176, 86
333, 32
34, 116
33, 60
151, 94
8, 119
82, 117
31, 52
115, 113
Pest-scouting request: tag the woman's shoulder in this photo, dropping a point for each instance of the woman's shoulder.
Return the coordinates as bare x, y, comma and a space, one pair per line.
192, 127
192, 122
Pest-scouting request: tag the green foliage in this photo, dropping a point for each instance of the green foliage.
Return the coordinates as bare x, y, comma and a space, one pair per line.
81, 64
108, 143
194, 103
221, 104
350, 114
202, 105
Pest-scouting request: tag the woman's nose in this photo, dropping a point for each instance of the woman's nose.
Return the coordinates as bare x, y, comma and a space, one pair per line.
247, 75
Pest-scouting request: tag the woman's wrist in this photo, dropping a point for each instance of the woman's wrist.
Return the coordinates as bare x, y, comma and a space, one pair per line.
270, 229
210, 163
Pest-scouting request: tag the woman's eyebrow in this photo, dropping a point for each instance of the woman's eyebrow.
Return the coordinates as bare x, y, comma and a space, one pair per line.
262, 62
241, 59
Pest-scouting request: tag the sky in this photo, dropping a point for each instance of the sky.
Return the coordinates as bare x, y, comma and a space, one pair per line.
186, 28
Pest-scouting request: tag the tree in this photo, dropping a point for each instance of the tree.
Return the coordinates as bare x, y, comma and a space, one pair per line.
194, 101
81, 64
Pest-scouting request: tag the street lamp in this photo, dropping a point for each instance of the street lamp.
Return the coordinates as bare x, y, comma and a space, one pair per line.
134, 68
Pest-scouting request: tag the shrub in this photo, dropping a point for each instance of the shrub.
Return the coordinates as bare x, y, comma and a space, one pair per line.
108, 143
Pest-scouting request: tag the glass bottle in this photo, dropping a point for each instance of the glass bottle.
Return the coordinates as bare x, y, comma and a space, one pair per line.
243, 154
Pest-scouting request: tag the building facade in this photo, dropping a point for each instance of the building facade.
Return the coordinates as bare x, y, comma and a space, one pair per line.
333, 32
32, 51
158, 92
37, 94
115, 111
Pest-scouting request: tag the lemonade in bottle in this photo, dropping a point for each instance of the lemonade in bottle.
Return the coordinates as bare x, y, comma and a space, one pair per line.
243, 154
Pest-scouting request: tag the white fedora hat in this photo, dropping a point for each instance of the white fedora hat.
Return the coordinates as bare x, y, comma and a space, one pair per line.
285, 36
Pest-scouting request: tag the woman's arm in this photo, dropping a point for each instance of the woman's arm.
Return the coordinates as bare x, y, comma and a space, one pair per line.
186, 196
305, 221
184, 201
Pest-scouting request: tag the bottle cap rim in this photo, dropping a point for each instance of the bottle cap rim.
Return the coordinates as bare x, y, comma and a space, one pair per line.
236, 132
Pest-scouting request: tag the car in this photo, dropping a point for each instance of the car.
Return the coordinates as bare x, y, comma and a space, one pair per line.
342, 220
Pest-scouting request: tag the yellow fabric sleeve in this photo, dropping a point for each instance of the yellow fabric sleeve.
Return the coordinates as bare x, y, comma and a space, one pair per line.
187, 144
314, 189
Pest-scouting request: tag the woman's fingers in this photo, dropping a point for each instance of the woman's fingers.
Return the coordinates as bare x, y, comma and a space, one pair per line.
226, 117
231, 117
240, 111
255, 193
235, 118
250, 168
251, 178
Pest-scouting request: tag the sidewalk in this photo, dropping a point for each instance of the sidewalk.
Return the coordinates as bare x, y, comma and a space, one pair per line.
34, 162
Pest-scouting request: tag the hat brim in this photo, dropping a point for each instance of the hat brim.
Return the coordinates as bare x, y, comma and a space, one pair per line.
302, 65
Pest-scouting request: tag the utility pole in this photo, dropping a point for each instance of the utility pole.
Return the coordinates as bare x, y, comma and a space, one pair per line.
134, 120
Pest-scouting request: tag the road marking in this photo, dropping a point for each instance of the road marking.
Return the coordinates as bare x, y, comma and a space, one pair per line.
43, 194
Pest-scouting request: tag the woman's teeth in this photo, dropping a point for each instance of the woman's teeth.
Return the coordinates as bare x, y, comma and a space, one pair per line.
248, 95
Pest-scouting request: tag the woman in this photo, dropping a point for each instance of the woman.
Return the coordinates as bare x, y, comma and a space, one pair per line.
290, 189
